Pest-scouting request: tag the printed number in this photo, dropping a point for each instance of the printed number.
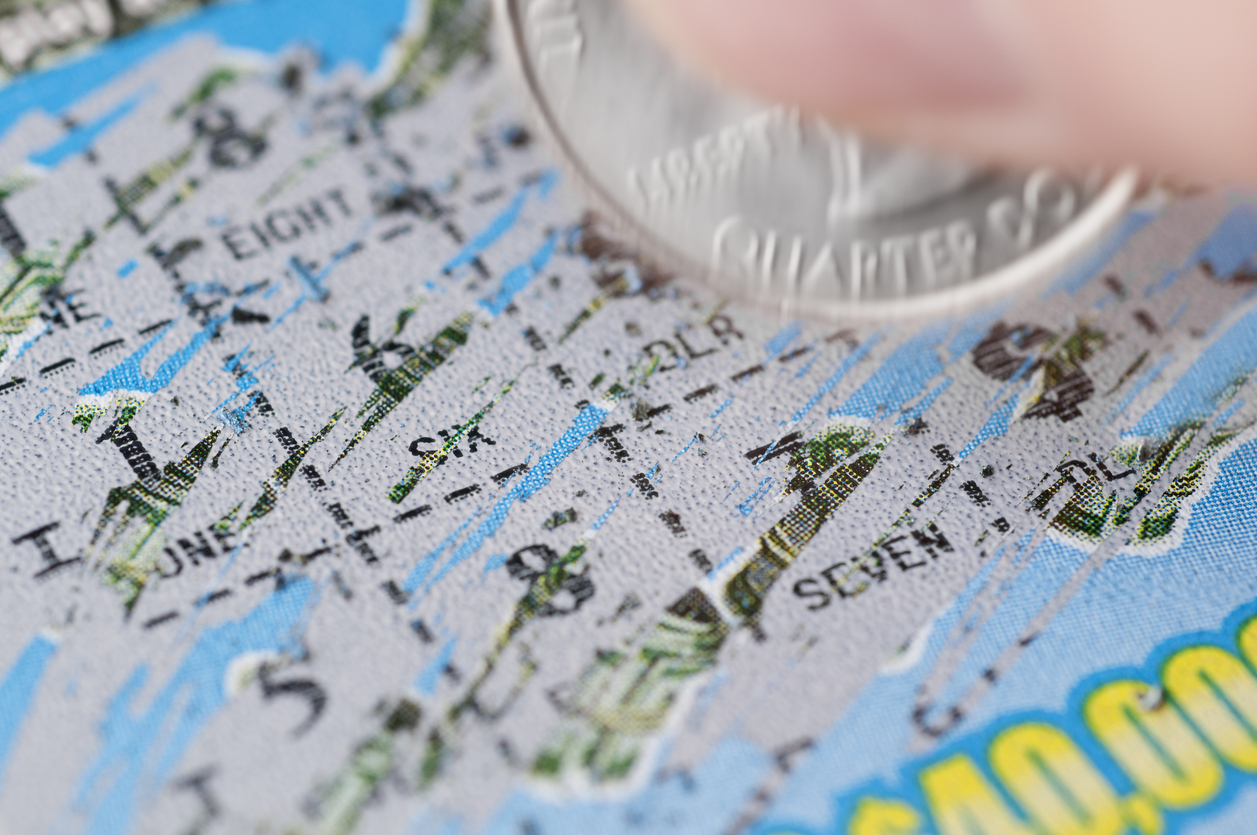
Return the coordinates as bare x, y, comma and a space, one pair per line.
303, 688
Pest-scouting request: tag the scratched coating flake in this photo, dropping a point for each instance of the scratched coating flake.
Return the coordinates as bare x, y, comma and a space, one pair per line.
359, 483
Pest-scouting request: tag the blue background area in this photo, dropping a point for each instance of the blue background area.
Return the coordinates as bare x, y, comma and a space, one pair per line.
1128, 609
1225, 363
341, 30
17, 692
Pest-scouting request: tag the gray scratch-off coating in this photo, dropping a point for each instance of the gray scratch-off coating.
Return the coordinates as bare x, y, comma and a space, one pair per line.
356, 482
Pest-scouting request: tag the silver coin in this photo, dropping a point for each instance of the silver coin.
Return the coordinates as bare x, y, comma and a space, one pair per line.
777, 206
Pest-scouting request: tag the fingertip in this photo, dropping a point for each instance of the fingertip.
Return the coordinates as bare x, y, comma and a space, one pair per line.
1027, 82
844, 56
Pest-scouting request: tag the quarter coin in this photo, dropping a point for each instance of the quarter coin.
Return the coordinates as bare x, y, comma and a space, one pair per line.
779, 207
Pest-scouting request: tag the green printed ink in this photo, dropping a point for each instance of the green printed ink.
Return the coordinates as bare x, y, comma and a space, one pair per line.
26, 280
131, 550
278, 482
394, 386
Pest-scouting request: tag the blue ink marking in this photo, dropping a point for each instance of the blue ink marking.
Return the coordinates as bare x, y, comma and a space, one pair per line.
707, 696
1083, 271
1178, 314
1228, 248
209, 287
633, 278
265, 27
139, 751
127, 376
1229, 360
590, 418
41, 414
807, 366
518, 278
312, 285
1141, 384
495, 562
760, 492
602, 520
845, 366
126, 269
500, 225
1022, 369
28, 343
769, 450
996, 425
424, 567
735, 486
292, 308
81, 137
975, 326
926, 402
17, 691
248, 378
427, 680
900, 377
546, 184
733, 555
782, 339
1167, 280
684, 449
253, 287
235, 419
234, 363
1226, 414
